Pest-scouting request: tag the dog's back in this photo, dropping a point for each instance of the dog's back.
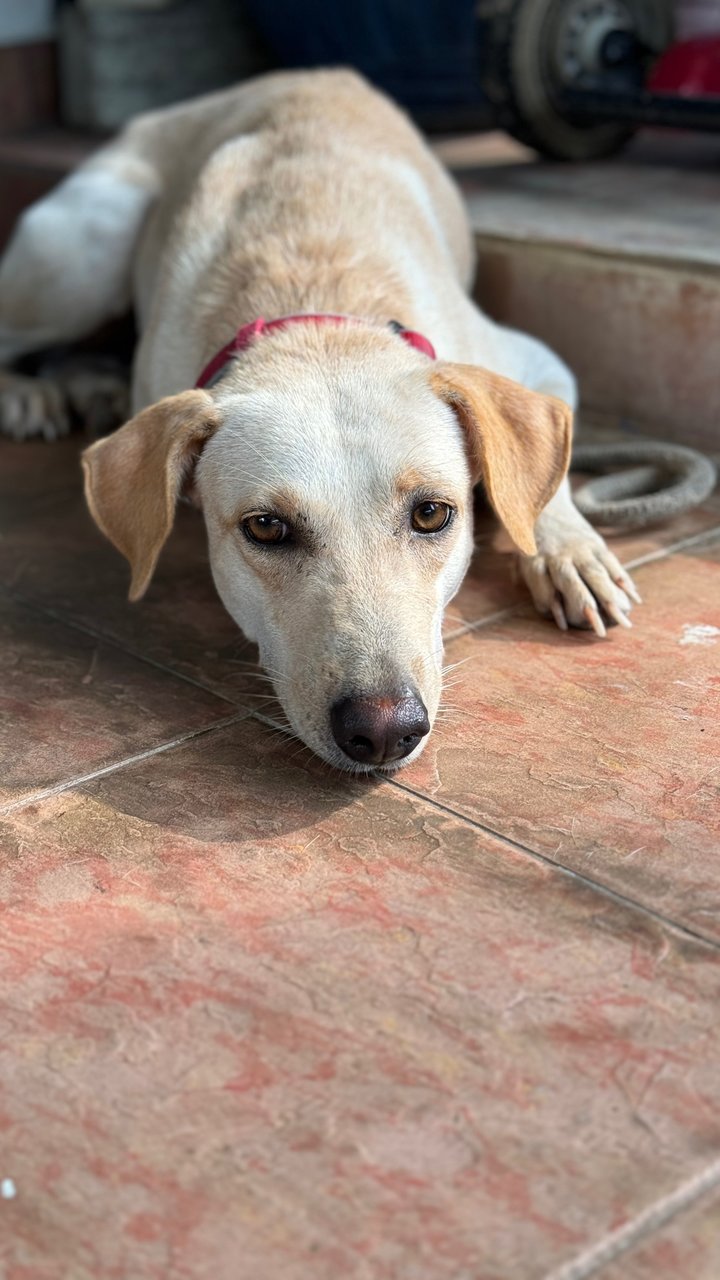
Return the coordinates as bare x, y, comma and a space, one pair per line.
297, 191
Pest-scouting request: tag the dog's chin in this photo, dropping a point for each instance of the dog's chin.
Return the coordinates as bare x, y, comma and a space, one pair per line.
345, 765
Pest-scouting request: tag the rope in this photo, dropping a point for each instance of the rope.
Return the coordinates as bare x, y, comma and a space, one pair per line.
641, 1226
669, 480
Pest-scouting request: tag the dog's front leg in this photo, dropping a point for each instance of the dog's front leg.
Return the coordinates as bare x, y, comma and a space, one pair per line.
574, 577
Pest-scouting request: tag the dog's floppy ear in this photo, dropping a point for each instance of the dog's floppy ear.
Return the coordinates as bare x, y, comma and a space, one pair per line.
134, 477
518, 442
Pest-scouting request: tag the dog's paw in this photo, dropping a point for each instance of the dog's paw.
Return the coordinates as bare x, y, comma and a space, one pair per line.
32, 407
581, 584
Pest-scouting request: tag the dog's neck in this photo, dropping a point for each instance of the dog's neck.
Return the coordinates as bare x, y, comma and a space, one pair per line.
263, 281
260, 328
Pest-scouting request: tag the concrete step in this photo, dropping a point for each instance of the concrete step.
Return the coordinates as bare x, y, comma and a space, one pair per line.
615, 265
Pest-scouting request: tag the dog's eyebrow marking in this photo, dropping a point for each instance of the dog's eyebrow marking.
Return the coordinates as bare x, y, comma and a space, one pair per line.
411, 481
427, 486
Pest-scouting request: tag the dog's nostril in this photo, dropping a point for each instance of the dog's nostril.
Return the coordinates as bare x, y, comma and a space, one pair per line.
376, 730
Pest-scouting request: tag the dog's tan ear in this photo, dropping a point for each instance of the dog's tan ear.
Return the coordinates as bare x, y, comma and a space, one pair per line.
134, 477
518, 442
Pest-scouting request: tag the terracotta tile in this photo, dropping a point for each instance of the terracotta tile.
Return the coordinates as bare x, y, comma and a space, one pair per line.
51, 553
689, 1246
268, 1021
33, 476
69, 705
602, 755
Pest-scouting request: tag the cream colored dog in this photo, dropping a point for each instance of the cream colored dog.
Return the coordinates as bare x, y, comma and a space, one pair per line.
333, 457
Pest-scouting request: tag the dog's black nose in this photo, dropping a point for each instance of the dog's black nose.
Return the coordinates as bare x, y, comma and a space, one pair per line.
377, 730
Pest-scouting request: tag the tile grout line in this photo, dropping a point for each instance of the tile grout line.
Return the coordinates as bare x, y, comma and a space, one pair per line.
67, 620
708, 535
596, 886
641, 1226
498, 616
46, 793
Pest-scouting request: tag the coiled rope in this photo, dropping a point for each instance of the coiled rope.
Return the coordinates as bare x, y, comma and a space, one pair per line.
656, 482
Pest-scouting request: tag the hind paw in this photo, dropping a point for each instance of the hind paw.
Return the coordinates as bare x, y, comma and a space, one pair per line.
32, 408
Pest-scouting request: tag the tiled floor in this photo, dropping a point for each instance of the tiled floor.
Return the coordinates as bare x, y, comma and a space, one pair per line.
259, 1021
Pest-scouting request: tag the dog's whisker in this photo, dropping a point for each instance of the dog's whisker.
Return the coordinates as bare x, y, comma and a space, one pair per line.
250, 675
451, 666
295, 755
281, 731
278, 718
272, 682
272, 677
284, 735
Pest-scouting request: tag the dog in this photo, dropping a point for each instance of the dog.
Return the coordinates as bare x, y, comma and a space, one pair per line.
314, 375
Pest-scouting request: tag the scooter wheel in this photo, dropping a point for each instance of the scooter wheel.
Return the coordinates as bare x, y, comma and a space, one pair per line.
531, 49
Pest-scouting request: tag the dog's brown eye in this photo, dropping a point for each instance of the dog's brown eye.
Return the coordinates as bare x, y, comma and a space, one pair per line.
431, 517
268, 530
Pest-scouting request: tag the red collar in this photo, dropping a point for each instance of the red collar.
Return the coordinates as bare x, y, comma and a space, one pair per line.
243, 338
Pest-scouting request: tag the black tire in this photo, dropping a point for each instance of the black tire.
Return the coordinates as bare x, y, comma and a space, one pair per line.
517, 44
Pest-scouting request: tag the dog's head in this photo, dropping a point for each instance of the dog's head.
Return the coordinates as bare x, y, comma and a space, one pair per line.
336, 479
